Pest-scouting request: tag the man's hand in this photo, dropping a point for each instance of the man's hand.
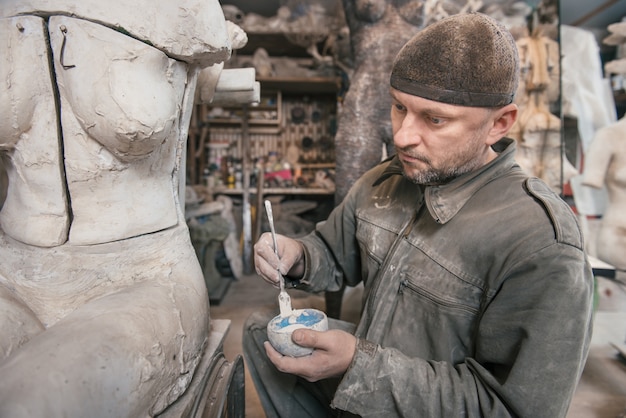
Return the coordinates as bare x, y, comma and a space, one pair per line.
334, 350
290, 260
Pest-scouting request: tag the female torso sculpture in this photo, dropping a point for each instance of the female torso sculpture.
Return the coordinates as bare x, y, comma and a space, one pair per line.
103, 306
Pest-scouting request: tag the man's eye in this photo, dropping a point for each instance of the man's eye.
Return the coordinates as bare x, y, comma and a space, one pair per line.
436, 121
399, 107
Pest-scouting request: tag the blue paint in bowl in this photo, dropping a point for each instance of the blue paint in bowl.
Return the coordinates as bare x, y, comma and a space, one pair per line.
307, 317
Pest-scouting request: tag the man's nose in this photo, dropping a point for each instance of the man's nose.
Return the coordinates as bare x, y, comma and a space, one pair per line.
409, 133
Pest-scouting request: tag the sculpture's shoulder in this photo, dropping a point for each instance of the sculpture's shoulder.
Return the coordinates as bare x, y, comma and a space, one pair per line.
192, 31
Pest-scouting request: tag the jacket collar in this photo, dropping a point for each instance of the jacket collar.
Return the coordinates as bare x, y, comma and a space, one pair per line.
445, 201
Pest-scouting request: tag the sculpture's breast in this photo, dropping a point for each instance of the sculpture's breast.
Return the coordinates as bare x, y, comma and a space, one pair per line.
123, 93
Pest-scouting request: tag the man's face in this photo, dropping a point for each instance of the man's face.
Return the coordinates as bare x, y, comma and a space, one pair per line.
437, 142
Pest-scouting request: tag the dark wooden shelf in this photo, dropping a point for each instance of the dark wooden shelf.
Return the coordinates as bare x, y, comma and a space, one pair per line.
301, 85
239, 121
276, 45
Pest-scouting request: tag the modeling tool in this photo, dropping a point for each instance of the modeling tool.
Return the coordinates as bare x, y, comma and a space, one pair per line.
284, 300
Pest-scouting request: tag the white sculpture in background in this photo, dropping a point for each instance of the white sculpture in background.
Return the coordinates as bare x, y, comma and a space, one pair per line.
605, 166
103, 306
538, 130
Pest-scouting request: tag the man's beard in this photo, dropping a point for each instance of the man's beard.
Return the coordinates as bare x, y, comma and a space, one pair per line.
432, 176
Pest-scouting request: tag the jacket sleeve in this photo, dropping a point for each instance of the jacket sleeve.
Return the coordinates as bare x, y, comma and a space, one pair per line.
530, 348
331, 251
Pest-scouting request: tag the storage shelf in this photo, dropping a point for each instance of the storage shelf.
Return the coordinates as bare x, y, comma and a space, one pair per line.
268, 127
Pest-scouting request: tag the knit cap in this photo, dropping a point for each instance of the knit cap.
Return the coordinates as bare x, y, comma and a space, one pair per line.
465, 59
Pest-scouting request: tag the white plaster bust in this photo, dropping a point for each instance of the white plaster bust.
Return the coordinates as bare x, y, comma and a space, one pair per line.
605, 165
103, 306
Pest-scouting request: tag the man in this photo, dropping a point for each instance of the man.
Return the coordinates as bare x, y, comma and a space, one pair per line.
477, 292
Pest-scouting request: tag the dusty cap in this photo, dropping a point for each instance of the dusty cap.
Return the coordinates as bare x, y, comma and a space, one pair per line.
466, 59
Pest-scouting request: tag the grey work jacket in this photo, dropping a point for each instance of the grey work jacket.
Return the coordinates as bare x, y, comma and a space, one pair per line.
478, 295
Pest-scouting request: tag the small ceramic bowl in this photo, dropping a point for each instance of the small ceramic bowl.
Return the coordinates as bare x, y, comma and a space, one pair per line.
279, 330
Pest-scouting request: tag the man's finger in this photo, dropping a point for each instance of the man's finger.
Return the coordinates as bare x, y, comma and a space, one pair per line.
306, 337
283, 363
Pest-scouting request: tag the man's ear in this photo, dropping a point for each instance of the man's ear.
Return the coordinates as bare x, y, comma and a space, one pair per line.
503, 120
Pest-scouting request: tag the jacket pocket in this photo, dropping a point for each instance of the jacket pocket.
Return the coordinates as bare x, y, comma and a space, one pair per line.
435, 315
